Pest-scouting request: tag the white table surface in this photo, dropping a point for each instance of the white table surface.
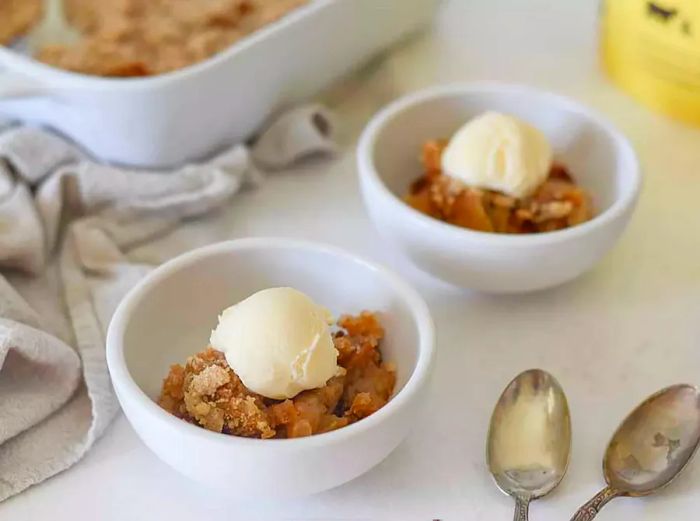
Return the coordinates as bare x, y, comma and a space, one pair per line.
612, 337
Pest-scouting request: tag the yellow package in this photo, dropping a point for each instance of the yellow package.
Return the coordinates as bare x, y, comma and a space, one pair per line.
652, 50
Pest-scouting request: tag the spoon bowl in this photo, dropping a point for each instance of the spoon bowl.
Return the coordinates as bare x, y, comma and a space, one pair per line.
529, 438
650, 447
655, 442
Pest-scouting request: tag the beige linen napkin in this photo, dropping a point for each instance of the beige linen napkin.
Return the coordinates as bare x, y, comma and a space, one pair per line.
57, 205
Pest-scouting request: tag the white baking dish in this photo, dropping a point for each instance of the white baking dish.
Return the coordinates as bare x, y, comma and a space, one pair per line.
164, 120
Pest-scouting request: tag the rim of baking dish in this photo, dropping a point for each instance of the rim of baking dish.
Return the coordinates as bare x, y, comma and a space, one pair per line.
368, 171
56, 78
418, 378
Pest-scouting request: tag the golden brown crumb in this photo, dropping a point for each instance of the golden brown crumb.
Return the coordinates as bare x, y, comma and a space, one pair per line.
146, 37
558, 203
17, 17
208, 393
209, 380
366, 324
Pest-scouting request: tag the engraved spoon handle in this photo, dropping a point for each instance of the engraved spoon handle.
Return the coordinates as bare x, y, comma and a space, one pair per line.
522, 506
588, 511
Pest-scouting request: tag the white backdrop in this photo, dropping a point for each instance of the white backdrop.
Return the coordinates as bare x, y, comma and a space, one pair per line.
612, 337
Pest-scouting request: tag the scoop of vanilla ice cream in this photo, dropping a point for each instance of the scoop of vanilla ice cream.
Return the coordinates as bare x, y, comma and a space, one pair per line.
499, 152
278, 342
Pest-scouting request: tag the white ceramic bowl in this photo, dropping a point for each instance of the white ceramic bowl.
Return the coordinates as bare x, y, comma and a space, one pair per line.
599, 157
170, 314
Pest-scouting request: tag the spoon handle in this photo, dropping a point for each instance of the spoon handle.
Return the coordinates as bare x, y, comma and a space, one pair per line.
588, 511
522, 507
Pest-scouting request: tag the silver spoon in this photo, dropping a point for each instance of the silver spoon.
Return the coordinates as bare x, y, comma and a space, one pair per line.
651, 446
52, 29
529, 439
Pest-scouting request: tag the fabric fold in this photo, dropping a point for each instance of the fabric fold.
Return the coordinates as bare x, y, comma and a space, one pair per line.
59, 208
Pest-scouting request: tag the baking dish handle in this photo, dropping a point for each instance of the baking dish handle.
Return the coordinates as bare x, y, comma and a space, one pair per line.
13, 85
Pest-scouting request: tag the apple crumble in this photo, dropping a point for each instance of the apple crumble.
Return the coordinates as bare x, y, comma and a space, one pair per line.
16, 17
206, 391
145, 37
557, 203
